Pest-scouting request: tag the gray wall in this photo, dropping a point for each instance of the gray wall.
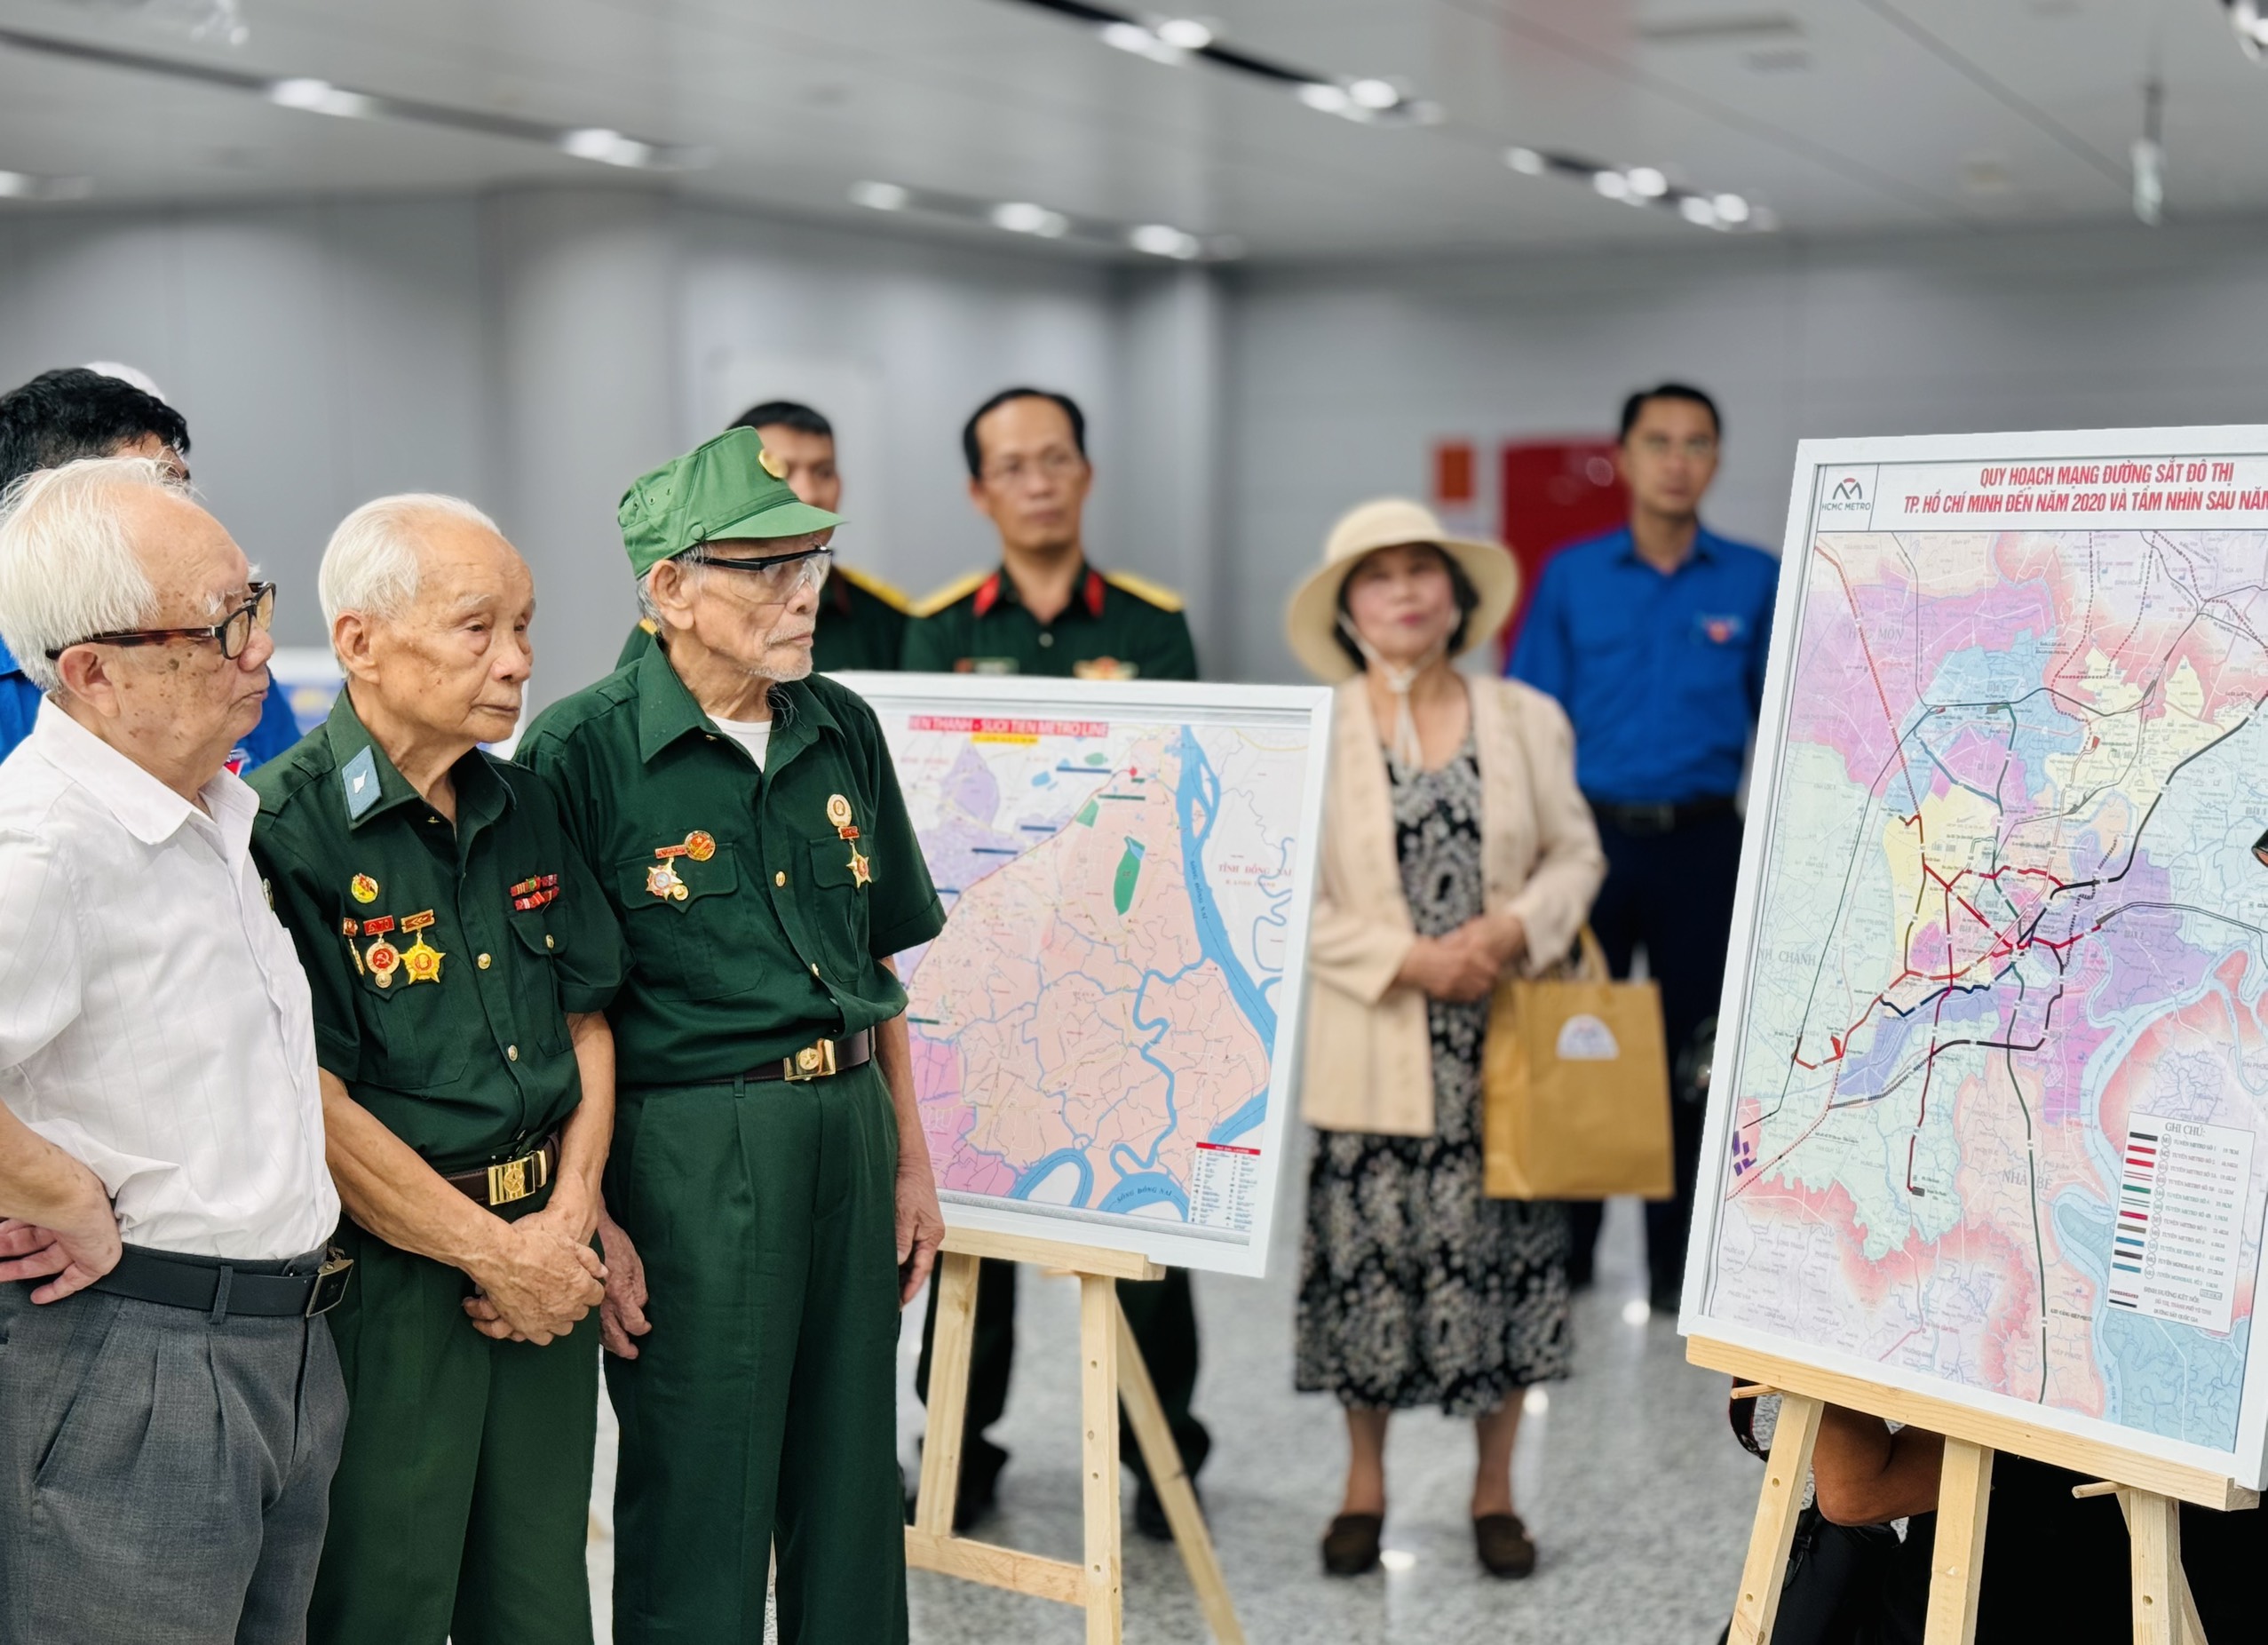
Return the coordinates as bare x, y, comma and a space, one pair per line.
534, 349
1339, 379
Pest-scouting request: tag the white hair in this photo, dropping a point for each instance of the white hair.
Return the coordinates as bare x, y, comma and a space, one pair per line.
370, 566
68, 569
693, 573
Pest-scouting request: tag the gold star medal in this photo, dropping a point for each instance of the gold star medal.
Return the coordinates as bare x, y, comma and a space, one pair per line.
364, 889
862, 868
661, 880
423, 963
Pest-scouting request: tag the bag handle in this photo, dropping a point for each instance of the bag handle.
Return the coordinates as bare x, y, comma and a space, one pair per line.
1591, 964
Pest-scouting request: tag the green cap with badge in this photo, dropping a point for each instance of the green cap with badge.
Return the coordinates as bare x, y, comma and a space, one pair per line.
725, 488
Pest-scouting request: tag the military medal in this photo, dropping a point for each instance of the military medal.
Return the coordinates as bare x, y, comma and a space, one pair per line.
862, 869
382, 957
663, 881
423, 963
535, 892
838, 810
701, 845
349, 928
839, 813
364, 889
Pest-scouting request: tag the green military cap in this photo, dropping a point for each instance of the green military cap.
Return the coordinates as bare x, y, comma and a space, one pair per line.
723, 488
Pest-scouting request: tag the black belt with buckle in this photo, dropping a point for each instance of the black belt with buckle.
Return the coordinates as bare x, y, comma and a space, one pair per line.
512, 1180
1661, 819
815, 1061
218, 1287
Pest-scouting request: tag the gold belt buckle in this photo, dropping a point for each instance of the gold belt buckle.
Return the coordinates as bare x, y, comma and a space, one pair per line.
813, 1061
517, 1178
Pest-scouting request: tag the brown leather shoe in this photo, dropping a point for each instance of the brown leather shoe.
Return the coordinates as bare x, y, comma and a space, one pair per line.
1504, 1545
1351, 1546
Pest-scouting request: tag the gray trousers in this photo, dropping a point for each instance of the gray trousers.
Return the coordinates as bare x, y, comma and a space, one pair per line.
164, 1480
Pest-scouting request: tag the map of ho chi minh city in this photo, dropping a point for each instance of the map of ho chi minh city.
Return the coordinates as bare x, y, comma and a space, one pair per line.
1994, 1116
1096, 1032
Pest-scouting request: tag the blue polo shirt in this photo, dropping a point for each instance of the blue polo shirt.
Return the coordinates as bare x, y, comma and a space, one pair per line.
1663, 676
19, 706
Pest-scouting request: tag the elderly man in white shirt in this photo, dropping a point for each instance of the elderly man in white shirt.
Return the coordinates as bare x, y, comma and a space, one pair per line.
170, 1404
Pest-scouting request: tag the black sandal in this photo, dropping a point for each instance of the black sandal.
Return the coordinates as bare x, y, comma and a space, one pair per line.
1504, 1546
1351, 1546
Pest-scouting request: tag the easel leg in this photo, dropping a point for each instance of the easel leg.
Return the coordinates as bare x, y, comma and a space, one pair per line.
2160, 1588
1964, 1497
1099, 1451
1162, 1457
1766, 1567
948, 1393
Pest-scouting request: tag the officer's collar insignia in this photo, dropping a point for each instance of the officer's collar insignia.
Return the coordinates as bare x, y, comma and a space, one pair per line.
359, 778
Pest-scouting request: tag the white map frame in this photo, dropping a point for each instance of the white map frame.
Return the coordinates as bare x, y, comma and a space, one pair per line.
1280, 707
1820, 464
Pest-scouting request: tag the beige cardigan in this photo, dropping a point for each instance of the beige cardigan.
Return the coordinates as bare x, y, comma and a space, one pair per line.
1368, 1062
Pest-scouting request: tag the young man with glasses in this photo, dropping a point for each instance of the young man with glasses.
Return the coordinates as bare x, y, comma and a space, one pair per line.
770, 1190
1653, 638
1046, 611
59, 417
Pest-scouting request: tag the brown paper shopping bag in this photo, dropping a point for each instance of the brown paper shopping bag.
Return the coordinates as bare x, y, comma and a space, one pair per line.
1576, 1086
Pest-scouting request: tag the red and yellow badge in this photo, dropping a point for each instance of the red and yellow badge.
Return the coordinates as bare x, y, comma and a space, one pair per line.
421, 962
1105, 668
701, 845
363, 889
661, 881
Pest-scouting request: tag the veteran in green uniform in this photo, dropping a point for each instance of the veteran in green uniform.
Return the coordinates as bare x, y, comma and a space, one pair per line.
460, 956
769, 1172
861, 621
1046, 611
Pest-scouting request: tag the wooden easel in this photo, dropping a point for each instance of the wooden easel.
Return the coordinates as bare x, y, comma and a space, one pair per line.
2150, 1493
1111, 1369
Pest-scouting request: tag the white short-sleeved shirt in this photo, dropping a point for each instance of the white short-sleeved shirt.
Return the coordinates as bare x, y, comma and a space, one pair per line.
154, 1020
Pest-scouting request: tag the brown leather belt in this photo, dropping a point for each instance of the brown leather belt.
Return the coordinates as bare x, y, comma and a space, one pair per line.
512, 1179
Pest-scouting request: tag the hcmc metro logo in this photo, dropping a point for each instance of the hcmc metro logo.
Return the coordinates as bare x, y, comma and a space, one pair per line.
1846, 496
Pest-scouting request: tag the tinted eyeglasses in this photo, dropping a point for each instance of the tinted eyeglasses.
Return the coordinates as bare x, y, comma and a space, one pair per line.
778, 576
232, 633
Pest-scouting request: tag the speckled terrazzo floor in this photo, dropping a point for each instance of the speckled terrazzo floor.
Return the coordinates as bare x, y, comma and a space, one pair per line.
1628, 1479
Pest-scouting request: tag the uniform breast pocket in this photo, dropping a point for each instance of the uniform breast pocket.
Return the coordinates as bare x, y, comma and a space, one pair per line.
541, 945
687, 923
841, 871
412, 1032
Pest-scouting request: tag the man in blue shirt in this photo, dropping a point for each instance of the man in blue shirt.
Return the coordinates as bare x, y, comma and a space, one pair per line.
1653, 638
58, 417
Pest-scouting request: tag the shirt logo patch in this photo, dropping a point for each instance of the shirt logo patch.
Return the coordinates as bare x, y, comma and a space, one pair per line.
359, 778
1722, 631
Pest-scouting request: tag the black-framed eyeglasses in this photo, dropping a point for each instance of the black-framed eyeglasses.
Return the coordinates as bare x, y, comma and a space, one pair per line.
232, 633
777, 575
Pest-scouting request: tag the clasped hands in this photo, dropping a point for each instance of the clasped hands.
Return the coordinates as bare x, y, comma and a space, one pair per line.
538, 1276
1466, 964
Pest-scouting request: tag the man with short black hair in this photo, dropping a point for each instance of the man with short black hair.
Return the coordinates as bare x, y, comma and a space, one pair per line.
1653, 638
861, 618
59, 417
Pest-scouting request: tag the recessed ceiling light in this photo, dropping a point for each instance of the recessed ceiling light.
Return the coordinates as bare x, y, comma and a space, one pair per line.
1324, 96
1614, 185
2251, 26
1163, 240
1142, 42
26, 186
1697, 210
1185, 32
606, 145
880, 196
321, 97
1648, 181
1732, 208
1527, 162
1021, 217
1373, 93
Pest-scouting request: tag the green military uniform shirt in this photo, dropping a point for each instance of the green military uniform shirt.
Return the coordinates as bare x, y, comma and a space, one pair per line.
758, 904
443, 960
1116, 627
861, 623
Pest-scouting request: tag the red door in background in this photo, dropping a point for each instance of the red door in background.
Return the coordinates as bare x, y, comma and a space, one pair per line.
1555, 492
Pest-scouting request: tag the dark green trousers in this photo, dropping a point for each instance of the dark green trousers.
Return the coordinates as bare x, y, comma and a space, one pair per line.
1162, 1315
761, 1409
461, 1506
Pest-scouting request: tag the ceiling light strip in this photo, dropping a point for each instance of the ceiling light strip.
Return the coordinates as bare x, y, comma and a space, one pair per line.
1646, 185
1366, 100
316, 96
1028, 218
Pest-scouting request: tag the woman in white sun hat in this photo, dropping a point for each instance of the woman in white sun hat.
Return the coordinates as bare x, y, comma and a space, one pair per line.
1458, 849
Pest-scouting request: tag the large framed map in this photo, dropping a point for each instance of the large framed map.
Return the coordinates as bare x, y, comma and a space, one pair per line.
1104, 1034
1992, 1079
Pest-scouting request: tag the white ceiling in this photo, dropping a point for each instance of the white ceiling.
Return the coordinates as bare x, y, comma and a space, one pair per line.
1849, 116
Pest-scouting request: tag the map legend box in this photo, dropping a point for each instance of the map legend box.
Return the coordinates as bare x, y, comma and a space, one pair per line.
2180, 1221
1221, 1185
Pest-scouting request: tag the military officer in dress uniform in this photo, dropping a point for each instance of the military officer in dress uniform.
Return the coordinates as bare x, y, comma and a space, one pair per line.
1046, 611
769, 1165
461, 956
861, 618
